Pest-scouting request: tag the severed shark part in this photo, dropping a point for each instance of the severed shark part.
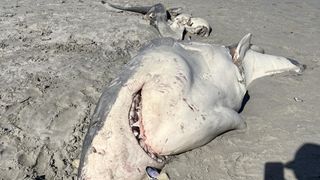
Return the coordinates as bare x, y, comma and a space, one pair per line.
172, 97
173, 12
170, 22
136, 9
158, 17
199, 26
193, 26
179, 23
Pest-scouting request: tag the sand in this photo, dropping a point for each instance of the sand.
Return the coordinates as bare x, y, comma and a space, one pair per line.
56, 56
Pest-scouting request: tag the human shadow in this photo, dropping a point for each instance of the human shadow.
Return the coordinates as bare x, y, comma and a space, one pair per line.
306, 165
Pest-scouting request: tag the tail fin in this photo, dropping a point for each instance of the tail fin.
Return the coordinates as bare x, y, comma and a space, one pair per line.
253, 63
258, 65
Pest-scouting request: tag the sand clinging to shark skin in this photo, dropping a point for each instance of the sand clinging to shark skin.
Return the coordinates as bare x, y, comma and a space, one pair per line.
57, 57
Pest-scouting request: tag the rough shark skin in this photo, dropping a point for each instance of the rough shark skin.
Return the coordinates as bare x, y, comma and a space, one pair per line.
189, 93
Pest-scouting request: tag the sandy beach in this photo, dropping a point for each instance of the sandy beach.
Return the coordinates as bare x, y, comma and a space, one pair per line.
56, 57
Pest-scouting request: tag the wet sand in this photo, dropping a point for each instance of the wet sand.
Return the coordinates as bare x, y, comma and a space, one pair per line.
56, 57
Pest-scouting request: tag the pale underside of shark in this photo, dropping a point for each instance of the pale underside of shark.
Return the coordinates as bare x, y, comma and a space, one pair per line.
172, 97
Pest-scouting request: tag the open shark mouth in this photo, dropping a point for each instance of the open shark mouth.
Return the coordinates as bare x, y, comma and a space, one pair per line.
136, 124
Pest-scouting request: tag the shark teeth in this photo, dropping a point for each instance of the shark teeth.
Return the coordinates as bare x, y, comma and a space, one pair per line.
135, 133
134, 116
136, 124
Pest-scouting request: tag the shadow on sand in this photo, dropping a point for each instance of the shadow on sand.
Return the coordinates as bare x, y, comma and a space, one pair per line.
306, 165
246, 98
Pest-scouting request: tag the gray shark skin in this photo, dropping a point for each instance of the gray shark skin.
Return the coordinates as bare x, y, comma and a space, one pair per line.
136, 9
158, 17
172, 97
